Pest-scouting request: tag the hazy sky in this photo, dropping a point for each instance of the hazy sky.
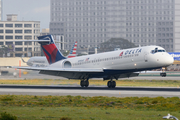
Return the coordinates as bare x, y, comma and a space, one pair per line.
28, 10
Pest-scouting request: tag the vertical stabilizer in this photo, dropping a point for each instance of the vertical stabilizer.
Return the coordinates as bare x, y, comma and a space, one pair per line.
73, 51
50, 50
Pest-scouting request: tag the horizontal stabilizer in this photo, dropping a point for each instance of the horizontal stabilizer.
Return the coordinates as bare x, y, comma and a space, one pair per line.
33, 41
23, 60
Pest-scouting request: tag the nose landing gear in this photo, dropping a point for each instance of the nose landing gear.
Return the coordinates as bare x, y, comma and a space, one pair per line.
163, 74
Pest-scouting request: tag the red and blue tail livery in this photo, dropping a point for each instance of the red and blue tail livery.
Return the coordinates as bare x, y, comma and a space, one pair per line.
50, 50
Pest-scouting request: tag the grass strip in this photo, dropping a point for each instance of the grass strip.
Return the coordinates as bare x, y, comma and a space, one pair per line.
88, 108
125, 82
84, 113
142, 103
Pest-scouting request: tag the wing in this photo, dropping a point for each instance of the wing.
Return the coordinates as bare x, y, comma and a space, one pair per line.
82, 73
149, 72
71, 73
62, 69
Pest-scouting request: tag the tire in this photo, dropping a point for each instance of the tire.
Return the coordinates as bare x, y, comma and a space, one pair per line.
109, 84
82, 83
113, 84
164, 74
86, 83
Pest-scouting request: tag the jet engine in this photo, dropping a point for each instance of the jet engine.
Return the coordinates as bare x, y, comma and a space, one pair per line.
67, 64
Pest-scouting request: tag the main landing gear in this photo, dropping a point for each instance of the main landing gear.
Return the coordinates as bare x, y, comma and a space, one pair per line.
111, 84
84, 83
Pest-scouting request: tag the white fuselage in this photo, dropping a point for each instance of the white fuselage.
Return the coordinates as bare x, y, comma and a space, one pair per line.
140, 58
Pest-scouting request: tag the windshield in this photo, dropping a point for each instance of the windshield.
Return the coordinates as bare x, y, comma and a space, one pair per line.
156, 50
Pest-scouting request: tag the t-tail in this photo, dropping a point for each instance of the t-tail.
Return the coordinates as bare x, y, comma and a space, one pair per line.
73, 51
50, 50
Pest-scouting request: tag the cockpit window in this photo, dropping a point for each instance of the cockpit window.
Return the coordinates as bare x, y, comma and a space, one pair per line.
156, 50
161, 51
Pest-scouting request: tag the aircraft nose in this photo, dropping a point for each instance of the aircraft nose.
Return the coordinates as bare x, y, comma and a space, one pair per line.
169, 60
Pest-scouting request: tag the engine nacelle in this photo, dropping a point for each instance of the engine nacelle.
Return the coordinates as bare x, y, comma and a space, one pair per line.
67, 64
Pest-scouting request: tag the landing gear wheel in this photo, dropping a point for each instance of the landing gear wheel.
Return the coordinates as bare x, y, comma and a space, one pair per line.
84, 83
163, 74
111, 84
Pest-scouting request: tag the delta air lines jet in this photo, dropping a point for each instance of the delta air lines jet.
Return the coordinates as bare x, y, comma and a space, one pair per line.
108, 65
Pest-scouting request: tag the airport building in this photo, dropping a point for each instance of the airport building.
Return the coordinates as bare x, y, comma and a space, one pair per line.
11, 31
91, 22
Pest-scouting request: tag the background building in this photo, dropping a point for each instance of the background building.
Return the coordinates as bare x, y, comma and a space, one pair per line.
0, 10
44, 32
115, 44
12, 30
91, 22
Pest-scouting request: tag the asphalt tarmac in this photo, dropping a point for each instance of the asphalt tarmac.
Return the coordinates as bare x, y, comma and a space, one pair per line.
75, 90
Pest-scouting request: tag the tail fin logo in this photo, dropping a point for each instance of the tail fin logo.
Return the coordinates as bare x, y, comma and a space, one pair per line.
50, 50
73, 51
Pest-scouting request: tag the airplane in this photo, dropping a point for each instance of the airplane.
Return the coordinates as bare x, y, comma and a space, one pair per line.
41, 61
107, 65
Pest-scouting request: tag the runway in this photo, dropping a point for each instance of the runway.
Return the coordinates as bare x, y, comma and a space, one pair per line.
74, 90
